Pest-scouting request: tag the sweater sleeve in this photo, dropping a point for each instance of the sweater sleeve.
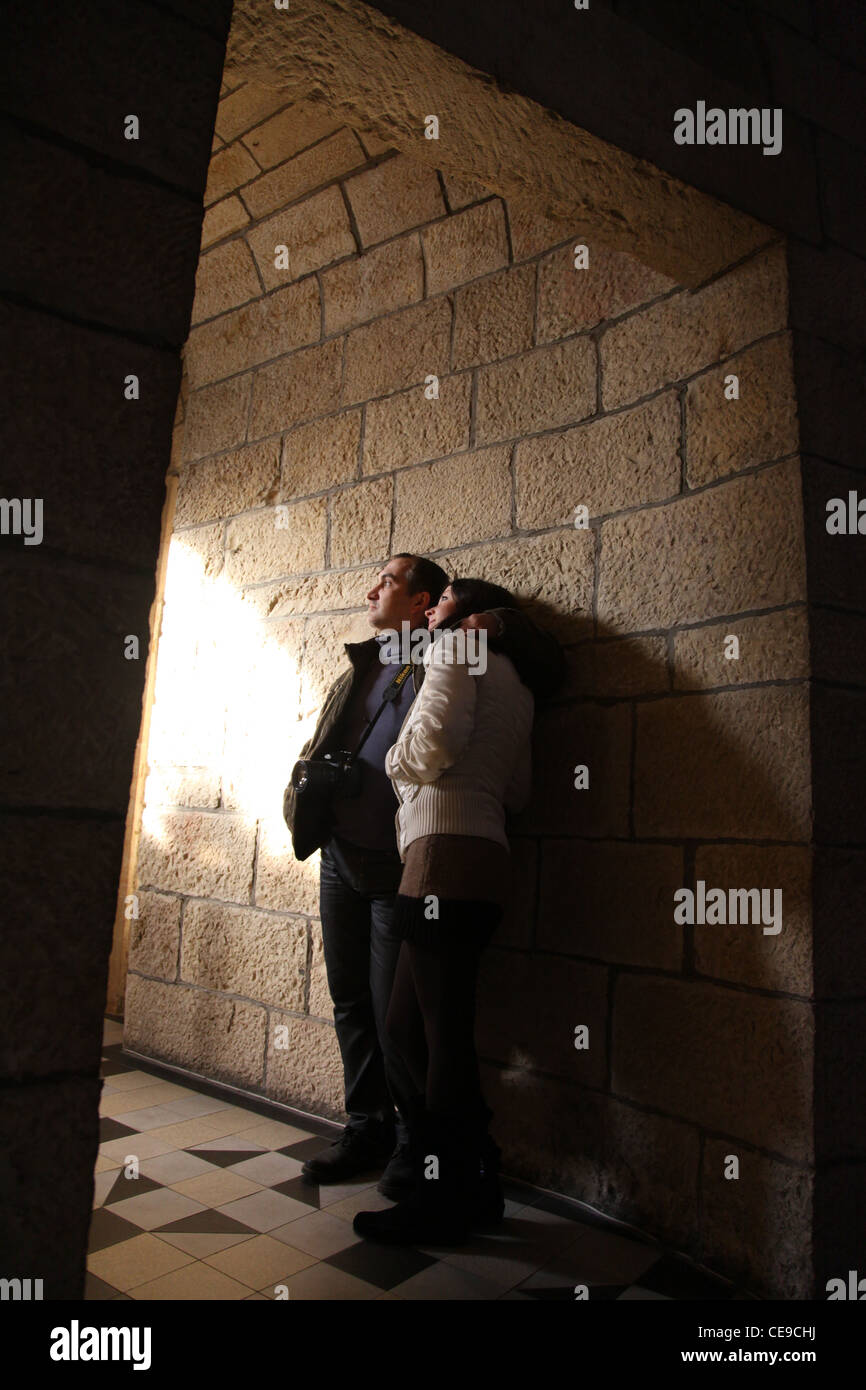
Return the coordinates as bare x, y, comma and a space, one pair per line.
442, 720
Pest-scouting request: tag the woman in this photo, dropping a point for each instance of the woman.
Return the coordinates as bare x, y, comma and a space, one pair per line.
461, 760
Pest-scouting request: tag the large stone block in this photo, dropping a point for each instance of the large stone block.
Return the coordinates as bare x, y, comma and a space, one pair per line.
494, 317
204, 854
315, 233
532, 232
551, 574
568, 736
242, 951
361, 522
460, 192
398, 194
59, 894
620, 461
741, 951
398, 351
738, 1064
196, 553
724, 436
324, 162
831, 401
757, 1226
235, 482
228, 170
731, 548
244, 107
389, 277
226, 277
305, 384
322, 454
265, 544
154, 936
589, 891
464, 246
410, 428
692, 330
185, 785
274, 324
541, 389
616, 669
205, 1032
308, 1071
321, 1004
839, 947
771, 648
216, 417
222, 219
735, 764
310, 593
529, 1008
283, 883
299, 126
447, 503
70, 694
325, 657
570, 300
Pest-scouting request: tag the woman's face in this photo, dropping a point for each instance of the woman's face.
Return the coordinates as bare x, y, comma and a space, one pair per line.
442, 611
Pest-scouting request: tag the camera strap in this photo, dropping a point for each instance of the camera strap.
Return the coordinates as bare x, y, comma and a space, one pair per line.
391, 693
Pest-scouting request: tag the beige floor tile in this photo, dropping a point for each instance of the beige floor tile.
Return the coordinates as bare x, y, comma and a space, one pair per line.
130, 1080
200, 1244
102, 1185
111, 1032
104, 1164
156, 1208
142, 1145
320, 1234
253, 1296
185, 1134
216, 1187
364, 1199
324, 1282
264, 1210
133, 1261
143, 1098
268, 1169
193, 1282
261, 1262
274, 1135
175, 1167
225, 1122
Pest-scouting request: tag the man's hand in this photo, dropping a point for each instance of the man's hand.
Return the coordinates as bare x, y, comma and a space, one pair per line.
486, 621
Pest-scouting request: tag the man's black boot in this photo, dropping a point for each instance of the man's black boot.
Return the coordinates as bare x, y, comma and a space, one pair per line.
356, 1151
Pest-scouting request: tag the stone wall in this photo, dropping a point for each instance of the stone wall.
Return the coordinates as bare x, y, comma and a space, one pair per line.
307, 450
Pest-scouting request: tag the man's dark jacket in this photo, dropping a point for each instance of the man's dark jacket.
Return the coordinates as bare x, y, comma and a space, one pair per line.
537, 658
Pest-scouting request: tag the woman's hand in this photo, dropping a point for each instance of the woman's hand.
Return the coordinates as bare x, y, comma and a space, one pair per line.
486, 622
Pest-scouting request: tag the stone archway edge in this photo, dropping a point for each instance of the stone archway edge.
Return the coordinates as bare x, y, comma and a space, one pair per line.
383, 78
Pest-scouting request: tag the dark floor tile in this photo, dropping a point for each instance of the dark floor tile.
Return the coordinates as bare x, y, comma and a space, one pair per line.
97, 1288
107, 1228
113, 1129
677, 1278
302, 1191
305, 1148
210, 1222
224, 1158
130, 1187
382, 1265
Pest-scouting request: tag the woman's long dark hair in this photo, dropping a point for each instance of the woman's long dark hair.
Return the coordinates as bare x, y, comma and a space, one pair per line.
476, 596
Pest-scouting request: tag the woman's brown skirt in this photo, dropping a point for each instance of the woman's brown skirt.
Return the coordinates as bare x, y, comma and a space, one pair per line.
452, 884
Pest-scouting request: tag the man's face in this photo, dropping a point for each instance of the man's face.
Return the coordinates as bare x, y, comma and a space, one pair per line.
389, 602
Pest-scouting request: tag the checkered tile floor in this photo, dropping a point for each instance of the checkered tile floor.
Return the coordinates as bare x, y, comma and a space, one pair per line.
220, 1211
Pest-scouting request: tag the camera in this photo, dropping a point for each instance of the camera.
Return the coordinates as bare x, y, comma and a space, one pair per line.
335, 772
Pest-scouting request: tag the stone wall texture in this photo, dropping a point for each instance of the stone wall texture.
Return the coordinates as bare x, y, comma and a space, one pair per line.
309, 444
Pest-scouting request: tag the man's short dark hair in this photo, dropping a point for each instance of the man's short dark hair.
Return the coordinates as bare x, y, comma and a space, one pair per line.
424, 575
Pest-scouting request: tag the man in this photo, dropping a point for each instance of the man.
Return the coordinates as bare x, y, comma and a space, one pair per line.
361, 868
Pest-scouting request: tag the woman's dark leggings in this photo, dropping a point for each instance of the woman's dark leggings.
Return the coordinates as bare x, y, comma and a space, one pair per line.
431, 1019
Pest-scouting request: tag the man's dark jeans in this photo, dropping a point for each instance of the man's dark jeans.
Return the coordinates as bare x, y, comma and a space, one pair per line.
357, 892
